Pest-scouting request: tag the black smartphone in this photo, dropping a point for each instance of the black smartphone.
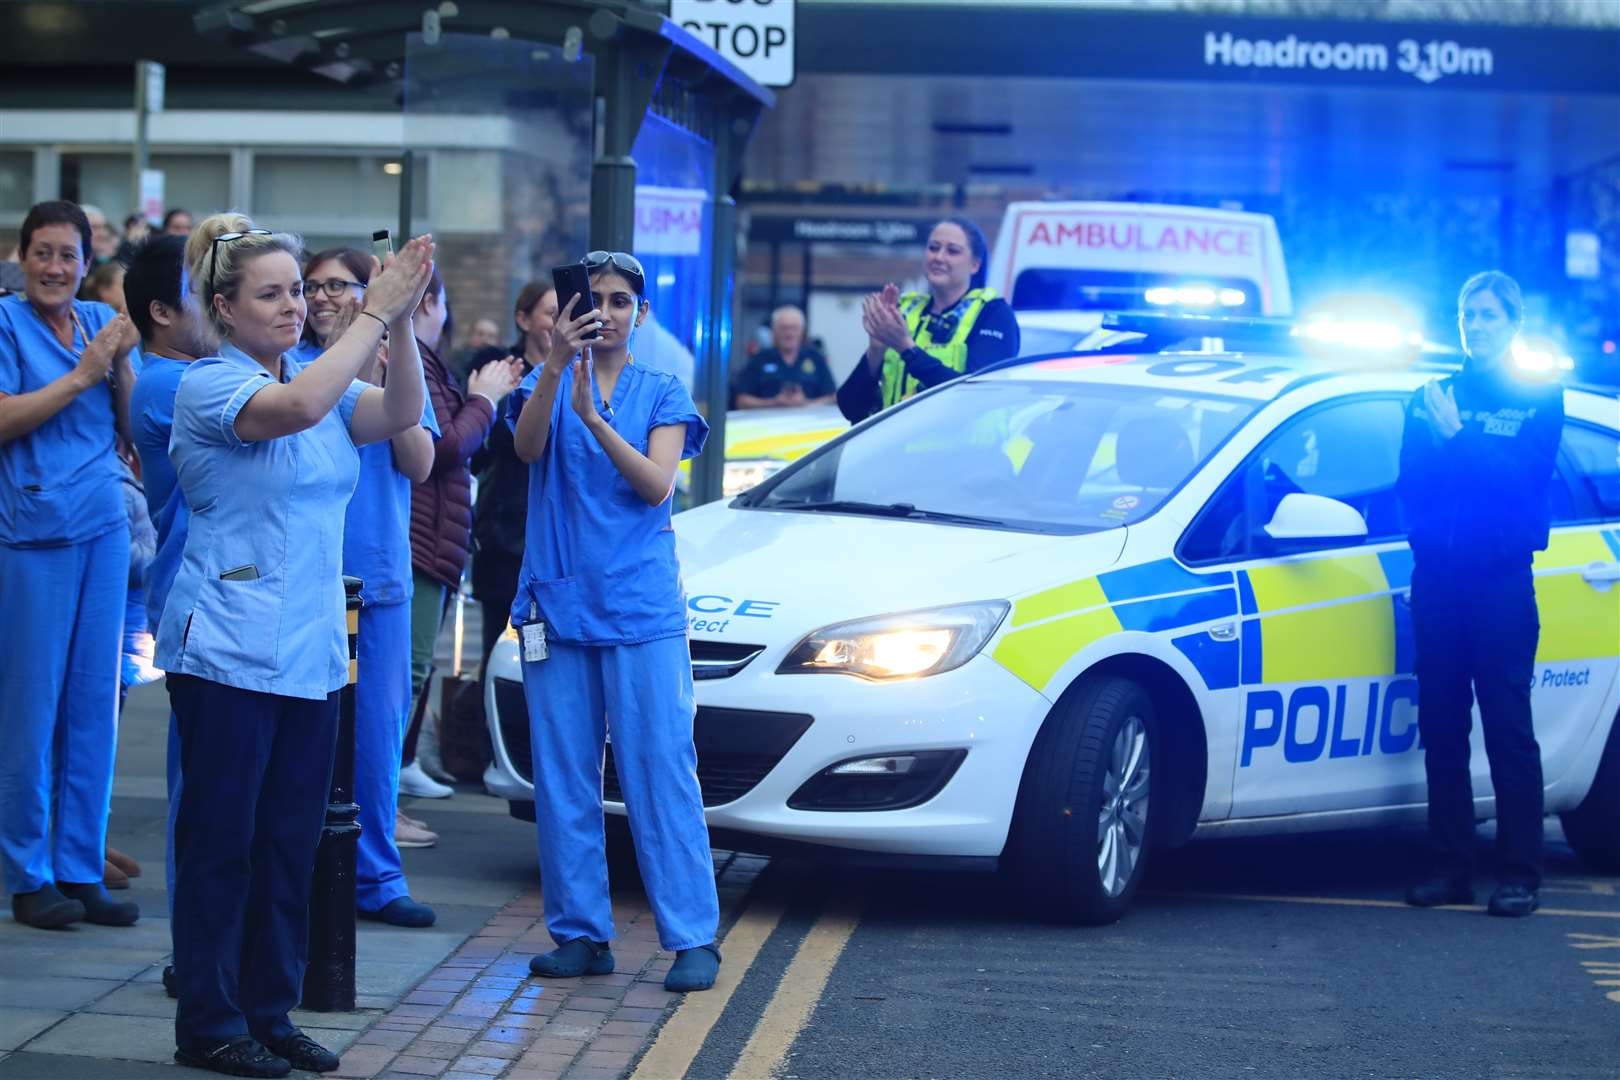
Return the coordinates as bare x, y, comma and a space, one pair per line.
573, 280
382, 245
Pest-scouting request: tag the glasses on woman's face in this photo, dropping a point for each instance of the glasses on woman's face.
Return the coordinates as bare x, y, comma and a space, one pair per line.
331, 288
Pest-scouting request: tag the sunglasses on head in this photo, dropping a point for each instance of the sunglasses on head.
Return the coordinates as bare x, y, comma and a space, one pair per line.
213, 252
625, 263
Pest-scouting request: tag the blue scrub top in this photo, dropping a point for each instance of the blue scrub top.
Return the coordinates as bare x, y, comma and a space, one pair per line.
377, 524
151, 411
272, 512
59, 484
599, 564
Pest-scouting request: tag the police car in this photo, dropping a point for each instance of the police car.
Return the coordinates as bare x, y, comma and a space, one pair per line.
1061, 613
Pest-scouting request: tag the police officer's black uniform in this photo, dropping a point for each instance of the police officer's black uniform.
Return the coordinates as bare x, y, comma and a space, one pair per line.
1477, 508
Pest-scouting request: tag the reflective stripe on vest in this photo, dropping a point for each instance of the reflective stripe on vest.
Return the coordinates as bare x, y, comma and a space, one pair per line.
897, 385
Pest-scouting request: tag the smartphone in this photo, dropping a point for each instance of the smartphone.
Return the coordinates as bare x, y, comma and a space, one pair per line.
382, 245
573, 280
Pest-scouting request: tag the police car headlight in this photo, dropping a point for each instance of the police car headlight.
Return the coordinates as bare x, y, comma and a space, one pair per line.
742, 475
904, 646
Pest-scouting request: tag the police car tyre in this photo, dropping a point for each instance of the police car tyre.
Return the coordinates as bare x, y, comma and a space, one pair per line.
1593, 828
1078, 845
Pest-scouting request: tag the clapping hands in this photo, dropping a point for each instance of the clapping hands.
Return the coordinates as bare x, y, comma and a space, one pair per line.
880, 317
111, 342
396, 289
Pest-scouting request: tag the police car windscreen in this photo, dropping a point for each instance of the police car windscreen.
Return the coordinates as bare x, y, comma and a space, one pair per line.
1049, 456
1068, 289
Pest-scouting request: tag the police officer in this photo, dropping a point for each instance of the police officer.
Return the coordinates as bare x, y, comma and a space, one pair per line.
921, 339
1476, 469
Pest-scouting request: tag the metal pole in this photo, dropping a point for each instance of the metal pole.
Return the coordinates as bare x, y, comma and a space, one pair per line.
329, 978
140, 158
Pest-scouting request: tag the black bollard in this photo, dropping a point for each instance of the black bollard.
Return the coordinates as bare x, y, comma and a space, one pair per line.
329, 978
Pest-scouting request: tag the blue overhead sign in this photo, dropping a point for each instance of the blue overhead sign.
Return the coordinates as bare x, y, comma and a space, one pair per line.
1086, 43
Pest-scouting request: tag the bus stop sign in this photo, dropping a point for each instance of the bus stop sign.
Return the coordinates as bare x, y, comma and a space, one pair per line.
756, 35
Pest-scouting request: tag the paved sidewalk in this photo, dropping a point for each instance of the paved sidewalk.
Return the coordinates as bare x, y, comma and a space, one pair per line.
480, 1015
87, 1002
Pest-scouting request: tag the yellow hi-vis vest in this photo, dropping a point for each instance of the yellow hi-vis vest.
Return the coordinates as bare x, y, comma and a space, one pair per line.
897, 385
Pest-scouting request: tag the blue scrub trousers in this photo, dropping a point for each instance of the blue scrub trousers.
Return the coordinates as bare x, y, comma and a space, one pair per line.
382, 709
643, 693
256, 770
172, 774
59, 687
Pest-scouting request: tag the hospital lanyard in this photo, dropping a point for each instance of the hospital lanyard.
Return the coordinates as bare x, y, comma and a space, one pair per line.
84, 336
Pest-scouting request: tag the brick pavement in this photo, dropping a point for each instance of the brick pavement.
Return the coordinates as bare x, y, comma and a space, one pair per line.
480, 1014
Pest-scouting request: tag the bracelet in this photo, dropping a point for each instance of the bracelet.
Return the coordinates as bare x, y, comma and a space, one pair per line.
380, 321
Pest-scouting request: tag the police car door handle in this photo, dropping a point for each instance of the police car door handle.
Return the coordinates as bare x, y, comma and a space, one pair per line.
1225, 631
1601, 575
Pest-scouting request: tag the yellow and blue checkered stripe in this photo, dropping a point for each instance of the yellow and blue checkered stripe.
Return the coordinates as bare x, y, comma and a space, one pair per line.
1310, 620
1051, 626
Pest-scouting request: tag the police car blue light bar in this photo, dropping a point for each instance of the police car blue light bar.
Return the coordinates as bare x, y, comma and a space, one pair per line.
1194, 295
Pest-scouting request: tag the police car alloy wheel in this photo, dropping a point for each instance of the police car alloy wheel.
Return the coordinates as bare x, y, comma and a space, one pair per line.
1080, 835
1593, 828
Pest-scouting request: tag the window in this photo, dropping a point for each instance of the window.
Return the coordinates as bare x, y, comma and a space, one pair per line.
1018, 452
1590, 463
16, 182
1349, 451
200, 183
360, 191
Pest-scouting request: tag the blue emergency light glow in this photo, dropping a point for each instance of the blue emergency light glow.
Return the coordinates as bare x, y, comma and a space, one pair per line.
1538, 355
1195, 296
1358, 333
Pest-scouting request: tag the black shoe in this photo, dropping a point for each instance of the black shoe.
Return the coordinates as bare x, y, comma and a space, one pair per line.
242, 1056
170, 985
99, 908
303, 1052
1435, 891
45, 908
571, 959
1513, 901
401, 911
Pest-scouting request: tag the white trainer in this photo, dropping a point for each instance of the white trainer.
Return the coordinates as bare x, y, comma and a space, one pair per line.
418, 784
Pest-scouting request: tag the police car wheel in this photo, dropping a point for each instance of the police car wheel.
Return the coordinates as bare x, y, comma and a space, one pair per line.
1079, 838
1593, 828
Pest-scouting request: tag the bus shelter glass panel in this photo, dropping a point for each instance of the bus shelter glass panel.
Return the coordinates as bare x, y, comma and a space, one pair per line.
499, 134
674, 182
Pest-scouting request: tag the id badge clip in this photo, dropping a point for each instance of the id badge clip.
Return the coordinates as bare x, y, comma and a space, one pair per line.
534, 638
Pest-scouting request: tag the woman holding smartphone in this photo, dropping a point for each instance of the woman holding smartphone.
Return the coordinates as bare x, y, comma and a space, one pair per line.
602, 619
254, 636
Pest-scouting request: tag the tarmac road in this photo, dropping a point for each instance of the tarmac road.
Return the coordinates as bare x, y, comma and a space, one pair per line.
894, 974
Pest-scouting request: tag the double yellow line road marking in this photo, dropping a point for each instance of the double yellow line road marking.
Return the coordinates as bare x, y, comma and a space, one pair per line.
786, 1012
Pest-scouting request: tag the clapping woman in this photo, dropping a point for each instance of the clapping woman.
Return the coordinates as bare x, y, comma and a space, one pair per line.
65, 374
253, 633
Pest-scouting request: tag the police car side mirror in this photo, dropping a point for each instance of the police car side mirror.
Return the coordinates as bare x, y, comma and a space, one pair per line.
1303, 522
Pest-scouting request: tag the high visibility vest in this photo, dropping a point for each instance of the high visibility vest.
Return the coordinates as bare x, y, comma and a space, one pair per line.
952, 352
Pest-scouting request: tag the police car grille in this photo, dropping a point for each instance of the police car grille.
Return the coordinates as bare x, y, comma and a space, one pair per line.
736, 748
721, 659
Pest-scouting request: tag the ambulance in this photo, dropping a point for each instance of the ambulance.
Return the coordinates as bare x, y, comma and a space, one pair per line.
1062, 615
1061, 265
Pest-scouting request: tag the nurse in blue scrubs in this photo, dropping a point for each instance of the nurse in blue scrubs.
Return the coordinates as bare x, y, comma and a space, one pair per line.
602, 620
173, 334
377, 550
254, 636
65, 379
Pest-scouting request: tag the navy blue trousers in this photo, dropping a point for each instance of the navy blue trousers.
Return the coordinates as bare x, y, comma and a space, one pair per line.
1476, 636
255, 771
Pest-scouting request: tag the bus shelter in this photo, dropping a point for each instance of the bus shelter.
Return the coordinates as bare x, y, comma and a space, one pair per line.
600, 124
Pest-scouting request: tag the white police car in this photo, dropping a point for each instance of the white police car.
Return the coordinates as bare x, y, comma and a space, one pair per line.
1059, 613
